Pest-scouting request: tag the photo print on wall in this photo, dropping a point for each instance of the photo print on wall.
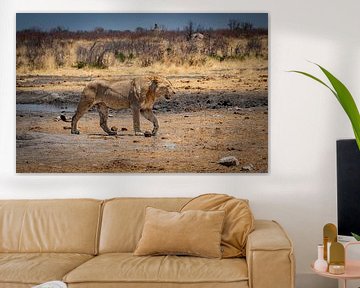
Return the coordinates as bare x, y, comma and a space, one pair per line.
142, 93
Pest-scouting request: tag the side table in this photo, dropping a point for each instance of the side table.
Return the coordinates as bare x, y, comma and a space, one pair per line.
352, 268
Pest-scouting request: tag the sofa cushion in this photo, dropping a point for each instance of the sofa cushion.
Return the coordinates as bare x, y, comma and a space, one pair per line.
193, 232
36, 268
123, 220
63, 226
126, 268
238, 223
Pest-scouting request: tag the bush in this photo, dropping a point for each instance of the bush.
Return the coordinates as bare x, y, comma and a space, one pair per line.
80, 65
120, 57
253, 46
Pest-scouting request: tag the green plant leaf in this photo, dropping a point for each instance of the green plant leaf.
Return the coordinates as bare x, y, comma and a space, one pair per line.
344, 97
357, 237
347, 102
316, 79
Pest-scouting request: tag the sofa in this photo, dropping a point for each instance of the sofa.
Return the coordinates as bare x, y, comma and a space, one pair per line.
90, 243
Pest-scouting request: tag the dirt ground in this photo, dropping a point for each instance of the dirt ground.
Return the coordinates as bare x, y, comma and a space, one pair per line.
215, 113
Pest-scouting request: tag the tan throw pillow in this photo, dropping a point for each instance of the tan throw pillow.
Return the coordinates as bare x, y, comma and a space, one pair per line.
196, 233
239, 220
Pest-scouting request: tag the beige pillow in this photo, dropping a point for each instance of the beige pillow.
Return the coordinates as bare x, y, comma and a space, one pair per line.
239, 220
196, 233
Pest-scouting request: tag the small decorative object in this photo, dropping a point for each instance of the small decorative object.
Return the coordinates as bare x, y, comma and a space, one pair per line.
336, 269
337, 258
328, 251
330, 236
320, 264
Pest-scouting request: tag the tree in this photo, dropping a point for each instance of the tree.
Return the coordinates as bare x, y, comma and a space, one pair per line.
189, 30
246, 26
234, 25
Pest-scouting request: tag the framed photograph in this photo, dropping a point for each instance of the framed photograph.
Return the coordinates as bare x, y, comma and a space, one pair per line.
142, 93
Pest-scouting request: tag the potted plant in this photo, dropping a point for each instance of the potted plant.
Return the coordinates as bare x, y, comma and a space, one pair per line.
346, 100
357, 237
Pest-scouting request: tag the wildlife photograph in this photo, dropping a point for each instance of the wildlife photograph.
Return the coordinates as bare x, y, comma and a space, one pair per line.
142, 93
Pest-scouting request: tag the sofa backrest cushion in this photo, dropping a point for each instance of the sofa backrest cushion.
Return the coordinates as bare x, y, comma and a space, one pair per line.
123, 220
64, 226
238, 224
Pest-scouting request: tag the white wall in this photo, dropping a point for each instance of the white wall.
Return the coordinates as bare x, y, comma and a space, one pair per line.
305, 120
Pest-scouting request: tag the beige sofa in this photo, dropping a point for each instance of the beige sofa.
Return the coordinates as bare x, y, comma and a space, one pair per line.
89, 243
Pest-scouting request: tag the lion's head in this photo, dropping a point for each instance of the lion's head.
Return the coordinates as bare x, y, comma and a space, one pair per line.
163, 87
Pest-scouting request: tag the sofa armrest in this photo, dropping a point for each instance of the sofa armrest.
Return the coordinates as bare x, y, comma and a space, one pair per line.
269, 256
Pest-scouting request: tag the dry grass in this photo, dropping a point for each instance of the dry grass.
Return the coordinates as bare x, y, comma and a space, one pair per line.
50, 51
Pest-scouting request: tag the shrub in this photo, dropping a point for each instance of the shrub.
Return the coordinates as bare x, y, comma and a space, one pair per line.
253, 46
80, 65
120, 57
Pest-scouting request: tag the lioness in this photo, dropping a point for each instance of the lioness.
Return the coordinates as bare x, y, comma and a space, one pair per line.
138, 94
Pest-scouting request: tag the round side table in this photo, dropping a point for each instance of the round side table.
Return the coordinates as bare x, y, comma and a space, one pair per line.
352, 269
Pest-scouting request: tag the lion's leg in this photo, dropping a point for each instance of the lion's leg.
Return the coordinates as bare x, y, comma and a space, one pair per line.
149, 115
136, 121
83, 107
104, 114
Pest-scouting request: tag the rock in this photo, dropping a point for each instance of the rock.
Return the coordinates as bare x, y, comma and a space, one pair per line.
170, 146
63, 118
247, 168
225, 102
147, 134
229, 161
114, 128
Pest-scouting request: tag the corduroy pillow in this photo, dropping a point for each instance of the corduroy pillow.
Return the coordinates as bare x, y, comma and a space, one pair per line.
195, 233
238, 224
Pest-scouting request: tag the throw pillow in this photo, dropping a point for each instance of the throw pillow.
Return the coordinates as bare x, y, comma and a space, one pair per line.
196, 233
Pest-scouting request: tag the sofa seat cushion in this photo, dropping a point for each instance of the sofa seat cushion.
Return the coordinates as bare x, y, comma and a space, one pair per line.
36, 268
127, 268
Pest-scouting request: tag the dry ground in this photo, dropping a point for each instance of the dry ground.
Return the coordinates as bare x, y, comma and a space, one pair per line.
216, 113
